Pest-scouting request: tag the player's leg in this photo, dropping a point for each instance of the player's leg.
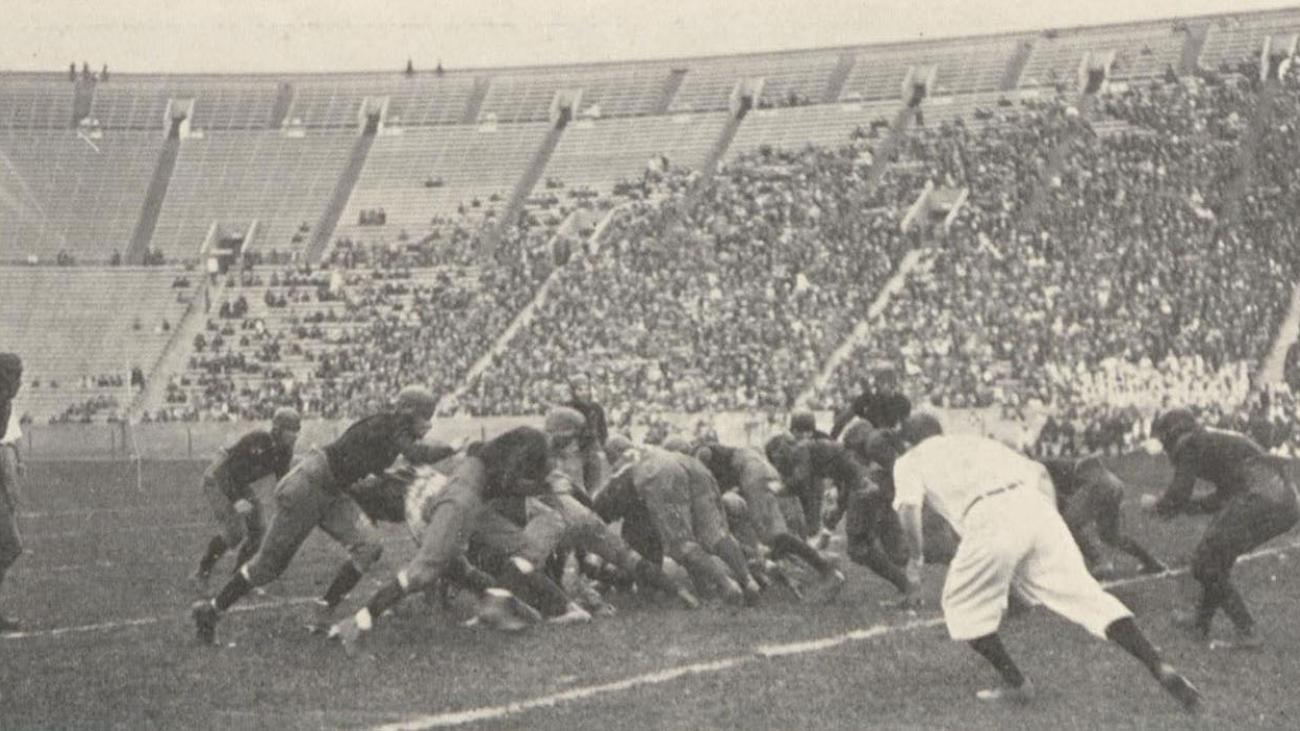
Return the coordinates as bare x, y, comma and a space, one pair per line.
774, 528
1078, 512
344, 523
515, 554
1053, 573
667, 500
709, 524
230, 531
975, 599
11, 547
1246, 522
301, 499
1110, 531
861, 522
254, 529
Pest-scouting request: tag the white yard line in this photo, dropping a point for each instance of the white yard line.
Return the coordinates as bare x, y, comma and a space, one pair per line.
142, 621
489, 713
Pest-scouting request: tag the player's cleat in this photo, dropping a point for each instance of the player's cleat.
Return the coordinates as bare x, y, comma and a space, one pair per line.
503, 611
604, 609
199, 582
322, 618
907, 601
1243, 641
575, 614
1179, 687
1187, 621
752, 593
1007, 694
349, 634
828, 588
688, 599
1103, 570
732, 593
8, 625
205, 618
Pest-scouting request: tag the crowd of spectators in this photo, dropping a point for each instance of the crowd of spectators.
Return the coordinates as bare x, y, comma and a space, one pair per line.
1096, 272
727, 295
1132, 277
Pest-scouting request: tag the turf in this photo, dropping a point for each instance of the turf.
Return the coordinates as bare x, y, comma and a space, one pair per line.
106, 548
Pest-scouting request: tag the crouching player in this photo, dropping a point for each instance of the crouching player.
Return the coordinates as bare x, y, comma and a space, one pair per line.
228, 487
1254, 500
1013, 537
313, 496
516, 463
1087, 493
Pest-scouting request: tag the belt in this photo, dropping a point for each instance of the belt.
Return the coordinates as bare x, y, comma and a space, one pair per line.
990, 493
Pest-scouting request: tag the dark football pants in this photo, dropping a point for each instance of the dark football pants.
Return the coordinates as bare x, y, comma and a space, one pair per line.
11, 546
1267, 508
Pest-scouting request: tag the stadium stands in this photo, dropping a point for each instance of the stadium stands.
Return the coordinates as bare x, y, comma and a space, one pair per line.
107, 322
234, 178
72, 191
729, 293
968, 67
424, 174
35, 103
596, 154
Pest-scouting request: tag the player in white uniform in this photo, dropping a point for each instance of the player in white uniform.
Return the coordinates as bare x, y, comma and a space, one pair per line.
1003, 507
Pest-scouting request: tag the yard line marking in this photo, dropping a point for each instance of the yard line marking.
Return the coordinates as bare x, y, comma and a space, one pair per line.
142, 621
114, 531
91, 512
489, 713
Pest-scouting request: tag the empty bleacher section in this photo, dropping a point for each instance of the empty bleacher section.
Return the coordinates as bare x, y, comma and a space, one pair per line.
418, 100
35, 103
233, 178
963, 68
130, 102
1141, 51
823, 124
72, 191
1229, 40
612, 91
596, 154
788, 80
72, 324
426, 173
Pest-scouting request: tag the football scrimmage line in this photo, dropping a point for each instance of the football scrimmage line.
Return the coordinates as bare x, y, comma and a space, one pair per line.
489, 713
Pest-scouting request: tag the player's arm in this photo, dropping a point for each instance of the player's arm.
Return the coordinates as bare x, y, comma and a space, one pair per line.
611, 503
1177, 497
417, 451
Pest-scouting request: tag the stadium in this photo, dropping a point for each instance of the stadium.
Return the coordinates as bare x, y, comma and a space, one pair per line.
1047, 237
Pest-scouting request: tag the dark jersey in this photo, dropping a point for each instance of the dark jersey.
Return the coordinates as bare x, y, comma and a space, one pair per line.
1070, 476
253, 457
883, 410
596, 431
811, 462
1214, 456
369, 447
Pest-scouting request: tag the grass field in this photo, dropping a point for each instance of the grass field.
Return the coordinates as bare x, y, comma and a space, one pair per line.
103, 595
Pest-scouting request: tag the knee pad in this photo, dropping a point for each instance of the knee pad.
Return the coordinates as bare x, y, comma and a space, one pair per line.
366, 555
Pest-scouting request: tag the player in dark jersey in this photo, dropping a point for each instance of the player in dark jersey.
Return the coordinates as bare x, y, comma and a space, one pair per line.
11, 379
1088, 493
313, 496
878, 535
884, 409
760, 484
803, 425
516, 463
228, 487
591, 441
1254, 500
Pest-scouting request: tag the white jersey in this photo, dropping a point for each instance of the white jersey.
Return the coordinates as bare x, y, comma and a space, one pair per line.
952, 472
